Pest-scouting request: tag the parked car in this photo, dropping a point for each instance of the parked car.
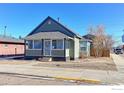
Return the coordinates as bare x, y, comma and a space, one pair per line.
118, 51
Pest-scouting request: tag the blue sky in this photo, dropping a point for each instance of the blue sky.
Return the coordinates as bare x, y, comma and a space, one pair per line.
21, 19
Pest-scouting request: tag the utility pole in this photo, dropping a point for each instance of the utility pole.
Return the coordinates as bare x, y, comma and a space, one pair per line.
123, 37
58, 19
5, 30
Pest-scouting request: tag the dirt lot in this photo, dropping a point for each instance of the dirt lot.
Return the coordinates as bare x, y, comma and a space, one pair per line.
16, 62
101, 63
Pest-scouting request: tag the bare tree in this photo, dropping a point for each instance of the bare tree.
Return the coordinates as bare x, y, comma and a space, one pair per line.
91, 30
102, 41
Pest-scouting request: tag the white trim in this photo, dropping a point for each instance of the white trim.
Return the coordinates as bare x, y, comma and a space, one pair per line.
33, 44
33, 49
57, 49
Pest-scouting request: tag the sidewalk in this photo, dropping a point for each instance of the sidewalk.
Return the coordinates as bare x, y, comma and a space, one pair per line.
119, 75
119, 61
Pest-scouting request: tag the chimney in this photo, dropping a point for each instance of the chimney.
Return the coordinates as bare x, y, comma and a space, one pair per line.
58, 19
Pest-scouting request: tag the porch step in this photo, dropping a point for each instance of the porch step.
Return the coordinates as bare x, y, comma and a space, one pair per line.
46, 59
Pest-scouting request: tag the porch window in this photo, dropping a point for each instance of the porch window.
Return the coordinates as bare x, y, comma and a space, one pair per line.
57, 44
30, 44
37, 44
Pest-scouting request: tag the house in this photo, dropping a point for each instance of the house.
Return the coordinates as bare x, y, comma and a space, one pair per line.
52, 40
93, 51
85, 45
89, 37
11, 46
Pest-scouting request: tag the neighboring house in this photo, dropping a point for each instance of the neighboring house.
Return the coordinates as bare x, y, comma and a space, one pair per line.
89, 37
93, 51
11, 46
85, 47
50, 39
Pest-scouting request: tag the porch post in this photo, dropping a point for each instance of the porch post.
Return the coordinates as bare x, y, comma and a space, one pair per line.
42, 47
25, 48
66, 51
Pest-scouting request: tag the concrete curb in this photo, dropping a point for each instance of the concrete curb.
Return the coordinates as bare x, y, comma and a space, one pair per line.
93, 81
85, 80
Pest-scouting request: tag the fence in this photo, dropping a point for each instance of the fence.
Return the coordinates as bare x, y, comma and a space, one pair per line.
100, 53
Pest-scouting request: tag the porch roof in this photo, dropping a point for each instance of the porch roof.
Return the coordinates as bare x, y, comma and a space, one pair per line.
47, 35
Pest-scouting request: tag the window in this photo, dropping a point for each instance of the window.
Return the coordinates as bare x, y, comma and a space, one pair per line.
37, 44
49, 22
57, 44
83, 48
30, 44
6, 45
83, 43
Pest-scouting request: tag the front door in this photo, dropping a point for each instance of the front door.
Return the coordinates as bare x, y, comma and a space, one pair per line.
47, 47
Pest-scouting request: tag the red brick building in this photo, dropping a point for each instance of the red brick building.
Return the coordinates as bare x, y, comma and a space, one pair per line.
11, 46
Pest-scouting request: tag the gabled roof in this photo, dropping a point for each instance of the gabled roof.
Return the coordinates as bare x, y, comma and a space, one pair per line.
89, 36
59, 27
84, 39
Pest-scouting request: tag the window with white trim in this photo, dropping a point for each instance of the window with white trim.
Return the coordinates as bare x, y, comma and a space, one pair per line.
57, 44
30, 44
37, 44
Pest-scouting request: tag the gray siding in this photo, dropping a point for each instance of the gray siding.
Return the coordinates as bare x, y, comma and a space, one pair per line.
54, 53
33, 52
71, 47
57, 53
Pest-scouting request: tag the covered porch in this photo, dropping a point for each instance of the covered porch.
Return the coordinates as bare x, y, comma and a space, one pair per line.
50, 44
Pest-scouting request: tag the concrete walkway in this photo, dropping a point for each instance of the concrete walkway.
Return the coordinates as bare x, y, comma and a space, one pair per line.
119, 75
106, 77
119, 61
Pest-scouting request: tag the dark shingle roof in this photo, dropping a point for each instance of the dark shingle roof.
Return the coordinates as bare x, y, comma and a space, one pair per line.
89, 36
68, 31
84, 39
